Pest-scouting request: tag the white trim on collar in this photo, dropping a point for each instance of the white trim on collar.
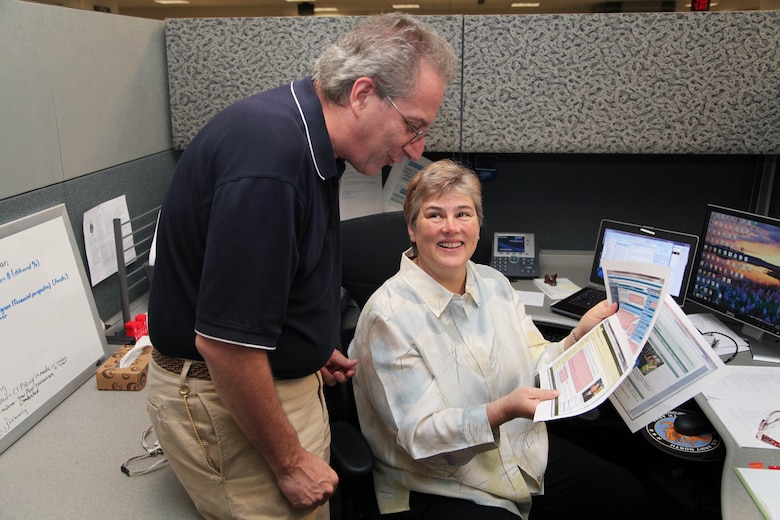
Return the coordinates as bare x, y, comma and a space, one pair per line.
306, 127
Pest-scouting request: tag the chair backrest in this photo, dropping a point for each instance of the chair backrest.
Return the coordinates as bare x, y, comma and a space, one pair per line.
371, 248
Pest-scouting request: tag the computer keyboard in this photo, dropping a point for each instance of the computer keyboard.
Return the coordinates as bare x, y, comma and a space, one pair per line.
553, 332
589, 298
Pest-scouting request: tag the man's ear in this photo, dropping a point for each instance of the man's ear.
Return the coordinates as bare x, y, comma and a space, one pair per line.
362, 89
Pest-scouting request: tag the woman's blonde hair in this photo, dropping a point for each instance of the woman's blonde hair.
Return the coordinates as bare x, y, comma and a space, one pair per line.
439, 178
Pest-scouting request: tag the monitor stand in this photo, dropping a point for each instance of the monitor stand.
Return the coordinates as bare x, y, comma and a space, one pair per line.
763, 347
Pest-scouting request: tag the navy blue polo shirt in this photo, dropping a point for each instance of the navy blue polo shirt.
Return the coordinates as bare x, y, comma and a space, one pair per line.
248, 245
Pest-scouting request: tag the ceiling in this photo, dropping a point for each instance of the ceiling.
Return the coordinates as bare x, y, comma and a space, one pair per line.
220, 8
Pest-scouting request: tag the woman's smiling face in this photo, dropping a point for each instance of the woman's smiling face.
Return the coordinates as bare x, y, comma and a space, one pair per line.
446, 234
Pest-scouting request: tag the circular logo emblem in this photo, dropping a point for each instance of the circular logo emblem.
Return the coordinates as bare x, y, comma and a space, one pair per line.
662, 434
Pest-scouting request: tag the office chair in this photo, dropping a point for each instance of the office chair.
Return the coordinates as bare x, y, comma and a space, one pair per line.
351, 455
371, 253
371, 248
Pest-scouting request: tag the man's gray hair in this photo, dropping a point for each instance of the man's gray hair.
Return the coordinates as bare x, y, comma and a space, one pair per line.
387, 48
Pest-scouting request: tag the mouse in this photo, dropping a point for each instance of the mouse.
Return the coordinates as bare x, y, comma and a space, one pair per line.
691, 424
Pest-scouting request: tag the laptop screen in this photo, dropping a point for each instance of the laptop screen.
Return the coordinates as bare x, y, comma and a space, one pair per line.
635, 243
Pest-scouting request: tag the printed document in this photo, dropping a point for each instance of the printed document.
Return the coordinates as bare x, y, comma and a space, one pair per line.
675, 365
588, 372
744, 396
359, 194
395, 187
647, 359
99, 238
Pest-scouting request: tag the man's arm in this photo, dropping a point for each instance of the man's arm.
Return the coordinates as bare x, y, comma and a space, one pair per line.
242, 377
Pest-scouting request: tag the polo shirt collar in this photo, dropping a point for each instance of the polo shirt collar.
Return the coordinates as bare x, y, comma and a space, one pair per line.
435, 296
320, 146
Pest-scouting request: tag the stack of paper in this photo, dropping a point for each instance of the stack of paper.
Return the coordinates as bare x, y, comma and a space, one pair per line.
742, 398
562, 288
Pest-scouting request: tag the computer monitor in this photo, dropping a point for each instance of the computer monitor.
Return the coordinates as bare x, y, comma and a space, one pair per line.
638, 243
737, 271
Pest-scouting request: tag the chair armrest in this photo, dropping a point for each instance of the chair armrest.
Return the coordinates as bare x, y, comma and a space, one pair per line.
349, 449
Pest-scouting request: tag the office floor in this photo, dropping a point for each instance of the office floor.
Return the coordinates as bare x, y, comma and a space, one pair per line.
677, 489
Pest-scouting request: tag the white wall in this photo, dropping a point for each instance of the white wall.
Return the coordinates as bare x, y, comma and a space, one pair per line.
80, 91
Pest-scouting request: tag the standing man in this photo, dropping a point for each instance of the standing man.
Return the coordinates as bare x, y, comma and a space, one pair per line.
244, 306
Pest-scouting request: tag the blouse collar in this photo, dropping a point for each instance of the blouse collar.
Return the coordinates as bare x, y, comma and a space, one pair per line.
435, 296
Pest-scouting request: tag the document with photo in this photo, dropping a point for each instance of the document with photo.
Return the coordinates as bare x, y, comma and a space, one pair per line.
676, 364
589, 372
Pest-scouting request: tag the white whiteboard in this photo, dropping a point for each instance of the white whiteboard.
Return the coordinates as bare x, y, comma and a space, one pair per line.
50, 334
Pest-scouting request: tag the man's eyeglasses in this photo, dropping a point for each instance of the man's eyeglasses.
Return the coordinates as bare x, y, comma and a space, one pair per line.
764, 425
417, 133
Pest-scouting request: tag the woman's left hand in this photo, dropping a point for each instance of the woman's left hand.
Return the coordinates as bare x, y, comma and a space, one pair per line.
594, 316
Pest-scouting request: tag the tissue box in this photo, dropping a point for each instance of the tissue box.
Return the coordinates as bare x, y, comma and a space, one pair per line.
110, 377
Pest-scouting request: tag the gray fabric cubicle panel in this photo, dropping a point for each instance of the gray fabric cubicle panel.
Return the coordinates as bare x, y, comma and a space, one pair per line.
666, 83
213, 62
81, 91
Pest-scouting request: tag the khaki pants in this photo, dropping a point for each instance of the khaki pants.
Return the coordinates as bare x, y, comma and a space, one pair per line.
243, 485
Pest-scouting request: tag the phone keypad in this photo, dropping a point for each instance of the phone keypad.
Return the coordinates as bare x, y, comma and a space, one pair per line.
515, 265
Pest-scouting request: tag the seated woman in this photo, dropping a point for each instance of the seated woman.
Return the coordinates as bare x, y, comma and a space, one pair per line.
445, 385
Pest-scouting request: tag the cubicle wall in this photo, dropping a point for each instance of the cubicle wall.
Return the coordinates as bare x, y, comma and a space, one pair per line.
642, 117
659, 83
563, 197
84, 116
213, 62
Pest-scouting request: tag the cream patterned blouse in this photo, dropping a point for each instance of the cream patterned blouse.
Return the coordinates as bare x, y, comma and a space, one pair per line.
429, 362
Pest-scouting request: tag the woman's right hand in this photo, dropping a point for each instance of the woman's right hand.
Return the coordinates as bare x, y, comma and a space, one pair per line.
521, 402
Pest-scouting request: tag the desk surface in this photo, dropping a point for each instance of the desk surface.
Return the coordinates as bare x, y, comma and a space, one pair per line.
68, 464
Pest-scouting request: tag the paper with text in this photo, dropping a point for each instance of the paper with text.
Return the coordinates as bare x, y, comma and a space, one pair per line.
675, 365
359, 194
395, 186
99, 238
588, 372
744, 396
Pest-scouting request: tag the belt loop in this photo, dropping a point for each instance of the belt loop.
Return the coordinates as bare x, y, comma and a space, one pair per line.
185, 369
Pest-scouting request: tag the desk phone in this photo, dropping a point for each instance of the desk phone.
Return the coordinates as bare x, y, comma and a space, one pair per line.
514, 255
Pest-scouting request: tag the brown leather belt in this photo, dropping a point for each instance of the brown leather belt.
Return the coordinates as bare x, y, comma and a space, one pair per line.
198, 369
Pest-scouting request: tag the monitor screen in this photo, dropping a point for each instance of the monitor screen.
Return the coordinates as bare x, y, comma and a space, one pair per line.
737, 271
510, 243
635, 243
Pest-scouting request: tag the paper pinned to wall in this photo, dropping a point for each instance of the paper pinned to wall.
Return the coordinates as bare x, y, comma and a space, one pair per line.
99, 238
395, 186
360, 194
